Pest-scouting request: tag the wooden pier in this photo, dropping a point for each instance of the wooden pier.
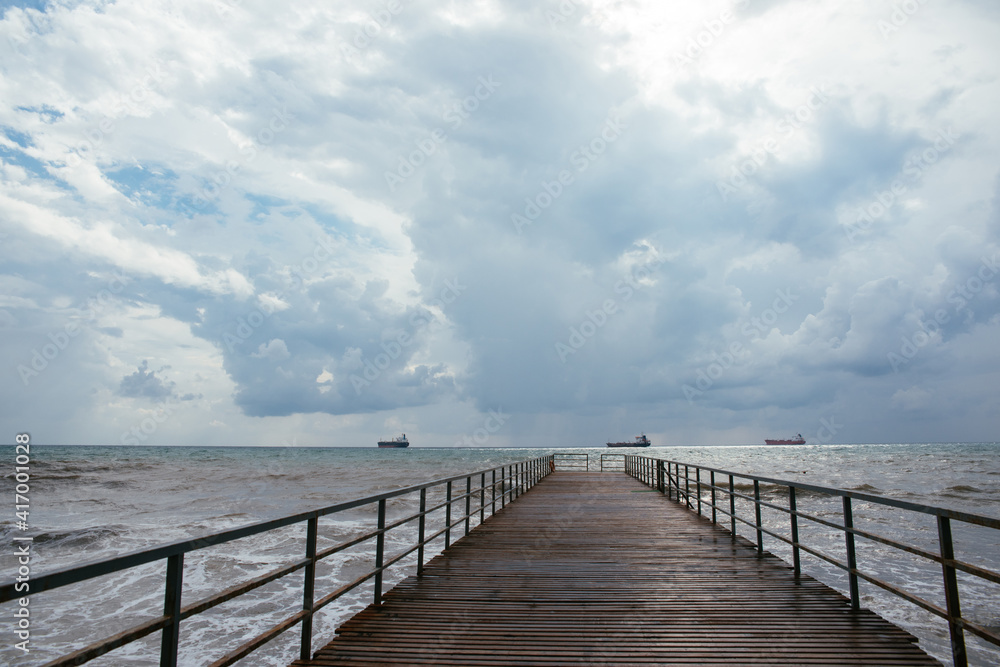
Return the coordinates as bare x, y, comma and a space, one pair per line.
596, 568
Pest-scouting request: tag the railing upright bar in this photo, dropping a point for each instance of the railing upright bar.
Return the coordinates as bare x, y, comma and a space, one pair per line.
711, 480
493, 493
659, 476
792, 509
697, 476
468, 502
482, 498
421, 525
756, 502
380, 551
171, 633
447, 517
503, 487
732, 506
852, 561
958, 654
687, 487
309, 588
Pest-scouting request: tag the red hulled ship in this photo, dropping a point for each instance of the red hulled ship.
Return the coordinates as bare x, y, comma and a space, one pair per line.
797, 440
640, 441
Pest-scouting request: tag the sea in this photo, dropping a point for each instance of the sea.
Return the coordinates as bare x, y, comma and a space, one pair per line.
89, 503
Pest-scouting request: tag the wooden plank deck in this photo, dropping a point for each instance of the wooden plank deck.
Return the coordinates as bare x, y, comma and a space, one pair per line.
594, 568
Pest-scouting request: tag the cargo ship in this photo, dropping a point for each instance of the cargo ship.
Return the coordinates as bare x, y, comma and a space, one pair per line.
395, 443
640, 441
797, 440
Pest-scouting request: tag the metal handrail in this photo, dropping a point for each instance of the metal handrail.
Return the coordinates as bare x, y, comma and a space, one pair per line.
514, 479
667, 476
614, 468
572, 460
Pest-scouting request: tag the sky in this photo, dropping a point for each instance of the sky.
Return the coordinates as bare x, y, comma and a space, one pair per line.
544, 223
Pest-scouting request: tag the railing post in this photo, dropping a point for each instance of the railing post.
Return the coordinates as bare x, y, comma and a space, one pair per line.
756, 504
852, 561
659, 476
732, 506
420, 531
697, 478
687, 487
493, 493
468, 502
796, 562
503, 487
447, 517
379, 552
958, 655
308, 588
711, 480
482, 498
172, 607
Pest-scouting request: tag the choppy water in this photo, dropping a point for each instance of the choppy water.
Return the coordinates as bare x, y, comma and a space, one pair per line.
90, 503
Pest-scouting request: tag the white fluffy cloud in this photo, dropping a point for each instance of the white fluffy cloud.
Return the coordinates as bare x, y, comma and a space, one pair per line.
712, 222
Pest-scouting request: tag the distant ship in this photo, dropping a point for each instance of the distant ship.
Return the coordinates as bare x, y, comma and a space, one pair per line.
395, 443
797, 440
640, 441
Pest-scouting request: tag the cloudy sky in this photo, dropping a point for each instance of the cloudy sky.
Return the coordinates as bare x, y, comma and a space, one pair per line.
504, 223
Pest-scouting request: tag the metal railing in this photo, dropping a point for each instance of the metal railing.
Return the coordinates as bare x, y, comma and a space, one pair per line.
675, 480
492, 487
616, 462
571, 461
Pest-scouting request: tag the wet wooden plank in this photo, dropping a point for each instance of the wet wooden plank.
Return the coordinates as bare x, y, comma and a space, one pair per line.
582, 569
